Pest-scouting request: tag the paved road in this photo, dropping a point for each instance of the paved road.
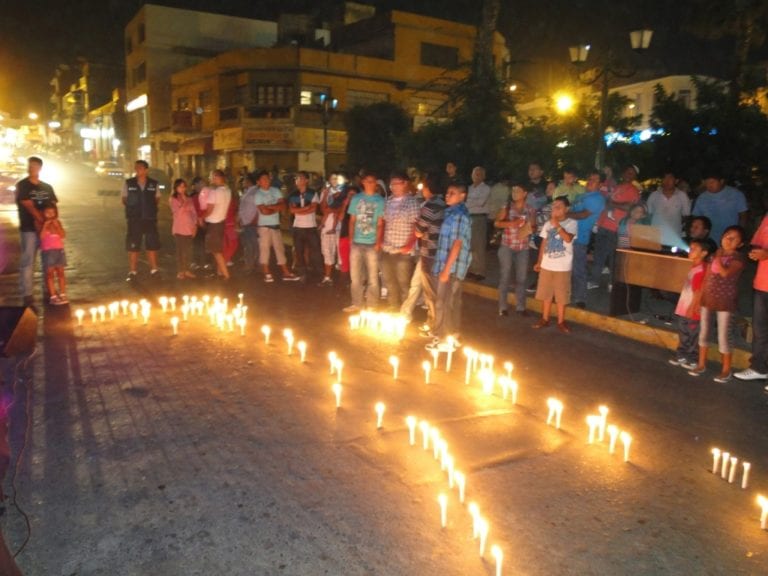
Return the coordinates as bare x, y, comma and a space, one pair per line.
211, 453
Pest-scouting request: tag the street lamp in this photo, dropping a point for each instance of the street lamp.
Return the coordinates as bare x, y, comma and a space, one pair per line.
33, 116
640, 40
327, 106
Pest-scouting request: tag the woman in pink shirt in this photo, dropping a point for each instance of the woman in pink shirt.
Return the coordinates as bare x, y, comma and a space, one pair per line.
184, 227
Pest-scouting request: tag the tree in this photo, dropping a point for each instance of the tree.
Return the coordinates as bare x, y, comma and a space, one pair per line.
376, 136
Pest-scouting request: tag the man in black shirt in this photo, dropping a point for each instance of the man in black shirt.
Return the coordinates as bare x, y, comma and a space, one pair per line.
140, 198
32, 194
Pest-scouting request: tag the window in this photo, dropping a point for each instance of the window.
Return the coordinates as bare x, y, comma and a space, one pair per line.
140, 74
423, 106
272, 95
142, 33
128, 44
684, 97
205, 100
307, 96
362, 98
183, 103
439, 56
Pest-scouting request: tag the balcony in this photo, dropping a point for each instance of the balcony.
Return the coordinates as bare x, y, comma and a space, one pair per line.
234, 115
185, 121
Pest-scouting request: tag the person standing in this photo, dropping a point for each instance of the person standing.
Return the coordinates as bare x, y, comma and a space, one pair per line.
141, 195
585, 211
184, 227
303, 205
32, 194
332, 205
452, 261
271, 203
569, 186
215, 204
400, 214
724, 205
366, 228
478, 195
248, 218
668, 207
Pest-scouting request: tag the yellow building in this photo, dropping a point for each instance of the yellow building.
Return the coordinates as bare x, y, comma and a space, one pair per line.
259, 107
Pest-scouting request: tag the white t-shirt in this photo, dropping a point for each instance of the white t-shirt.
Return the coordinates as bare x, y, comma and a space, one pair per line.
219, 198
668, 213
558, 256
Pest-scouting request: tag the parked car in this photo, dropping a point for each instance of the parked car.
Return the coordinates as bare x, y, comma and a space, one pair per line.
109, 168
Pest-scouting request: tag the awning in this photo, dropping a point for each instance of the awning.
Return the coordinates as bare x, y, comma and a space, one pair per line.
196, 146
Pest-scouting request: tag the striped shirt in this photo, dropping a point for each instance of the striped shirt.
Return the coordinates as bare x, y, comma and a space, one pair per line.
428, 223
456, 226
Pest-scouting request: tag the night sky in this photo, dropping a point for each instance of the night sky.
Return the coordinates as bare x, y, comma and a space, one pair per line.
38, 35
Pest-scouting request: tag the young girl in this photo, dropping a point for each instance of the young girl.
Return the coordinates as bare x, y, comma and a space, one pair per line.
52, 247
637, 214
719, 296
184, 227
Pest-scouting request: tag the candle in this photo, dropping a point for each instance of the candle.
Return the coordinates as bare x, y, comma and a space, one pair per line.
241, 324
185, 312
124, 307
513, 389
504, 383
301, 346
425, 430
482, 529
551, 413
468, 352
763, 503
103, 312
498, 556
79, 313
230, 322
114, 308
288, 334
715, 460
461, 482
336, 388
240, 298
172, 302
592, 421
395, 363
442, 448
134, 310
508, 367
487, 377
732, 473
411, 423
745, 476
426, 366
435, 355
603, 410
380, 408
163, 303
332, 357
443, 501
726, 461
626, 439
449, 353
339, 367
449, 466
266, 331
434, 434
474, 511
175, 325
145, 314
613, 434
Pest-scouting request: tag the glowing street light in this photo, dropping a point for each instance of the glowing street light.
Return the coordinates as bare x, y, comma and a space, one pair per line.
563, 103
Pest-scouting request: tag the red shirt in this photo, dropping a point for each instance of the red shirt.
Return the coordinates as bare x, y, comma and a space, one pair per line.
623, 193
761, 239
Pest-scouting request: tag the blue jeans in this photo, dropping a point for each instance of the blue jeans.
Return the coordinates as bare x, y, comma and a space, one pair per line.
364, 265
397, 270
30, 242
249, 238
688, 339
579, 273
448, 308
518, 259
605, 250
414, 292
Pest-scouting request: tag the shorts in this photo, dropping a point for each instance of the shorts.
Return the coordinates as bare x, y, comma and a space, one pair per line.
139, 228
555, 285
54, 258
329, 243
214, 237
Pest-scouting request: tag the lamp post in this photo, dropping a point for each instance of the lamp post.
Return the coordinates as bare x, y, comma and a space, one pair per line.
640, 40
327, 106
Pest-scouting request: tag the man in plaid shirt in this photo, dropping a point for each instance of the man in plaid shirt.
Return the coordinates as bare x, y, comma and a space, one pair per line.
451, 264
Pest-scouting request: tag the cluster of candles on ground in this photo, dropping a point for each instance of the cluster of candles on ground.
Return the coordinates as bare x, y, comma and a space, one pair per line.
217, 309
380, 323
726, 465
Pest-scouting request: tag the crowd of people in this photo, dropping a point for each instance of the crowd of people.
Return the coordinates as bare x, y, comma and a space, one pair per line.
411, 240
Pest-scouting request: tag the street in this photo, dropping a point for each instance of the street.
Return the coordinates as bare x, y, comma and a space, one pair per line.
214, 453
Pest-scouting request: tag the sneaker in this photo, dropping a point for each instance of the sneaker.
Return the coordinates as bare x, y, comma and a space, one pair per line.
55, 300
63, 299
750, 374
697, 371
268, 278
326, 281
592, 285
688, 365
606, 270
351, 309
383, 294
132, 276
154, 273
541, 324
441, 345
564, 328
723, 378
503, 313
291, 278
531, 289
677, 361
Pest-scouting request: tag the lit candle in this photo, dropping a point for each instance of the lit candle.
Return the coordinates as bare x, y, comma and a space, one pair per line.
449, 353
443, 501
426, 366
339, 368
468, 352
508, 367
626, 439
603, 410
613, 435
185, 312
715, 460
380, 408
745, 476
230, 322
474, 511
504, 383
461, 482
434, 434
395, 363
482, 529
443, 450
435, 355
726, 461
551, 413
513, 389
449, 467
145, 314
266, 330
425, 430
487, 377
411, 423
175, 325
732, 473
332, 357
163, 303
134, 310
103, 312
114, 308
79, 313
498, 556
199, 306
288, 334
593, 422
124, 307
301, 346
337, 392
240, 298
172, 302
241, 324
762, 501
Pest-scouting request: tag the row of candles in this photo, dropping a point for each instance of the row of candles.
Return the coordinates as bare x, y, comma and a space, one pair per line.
726, 465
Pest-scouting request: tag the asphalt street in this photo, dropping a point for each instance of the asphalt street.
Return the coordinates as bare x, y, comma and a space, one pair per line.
214, 453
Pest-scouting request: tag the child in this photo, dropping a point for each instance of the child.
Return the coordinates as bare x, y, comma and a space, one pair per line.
184, 227
719, 296
52, 246
555, 263
637, 214
688, 310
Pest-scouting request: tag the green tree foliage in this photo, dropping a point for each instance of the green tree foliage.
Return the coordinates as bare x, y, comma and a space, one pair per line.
376, 136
